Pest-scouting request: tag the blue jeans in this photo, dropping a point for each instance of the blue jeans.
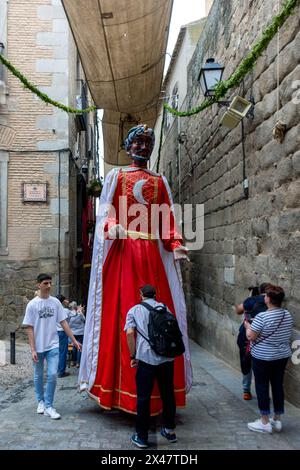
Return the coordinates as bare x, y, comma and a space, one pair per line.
63, 351
51, 357
247, 381
76, 355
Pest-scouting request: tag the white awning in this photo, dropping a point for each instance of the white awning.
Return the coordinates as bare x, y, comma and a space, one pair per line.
122, 46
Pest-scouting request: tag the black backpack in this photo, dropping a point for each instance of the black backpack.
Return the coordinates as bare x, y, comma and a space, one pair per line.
165, 337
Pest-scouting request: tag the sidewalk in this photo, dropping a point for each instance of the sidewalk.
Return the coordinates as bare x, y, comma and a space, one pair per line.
216, 417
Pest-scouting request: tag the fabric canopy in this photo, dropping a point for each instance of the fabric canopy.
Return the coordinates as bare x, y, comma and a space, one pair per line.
122, 46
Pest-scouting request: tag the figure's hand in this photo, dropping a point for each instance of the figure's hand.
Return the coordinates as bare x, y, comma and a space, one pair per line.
181, 253
117, 231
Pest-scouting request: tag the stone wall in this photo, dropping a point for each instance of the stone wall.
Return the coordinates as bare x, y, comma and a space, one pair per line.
256, 239
40, 45
16, 289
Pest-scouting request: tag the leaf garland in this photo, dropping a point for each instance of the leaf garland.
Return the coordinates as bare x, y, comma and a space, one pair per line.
43, 96
246, 65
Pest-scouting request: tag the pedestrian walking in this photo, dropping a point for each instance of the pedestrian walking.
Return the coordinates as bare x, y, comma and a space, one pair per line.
63, 340
270, 335
77, 321
41, 315
150, 366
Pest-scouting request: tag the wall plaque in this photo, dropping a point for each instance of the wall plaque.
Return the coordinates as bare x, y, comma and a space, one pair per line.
34, 192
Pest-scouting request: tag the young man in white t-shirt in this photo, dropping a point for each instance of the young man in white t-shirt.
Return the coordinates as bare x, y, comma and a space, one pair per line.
41, 315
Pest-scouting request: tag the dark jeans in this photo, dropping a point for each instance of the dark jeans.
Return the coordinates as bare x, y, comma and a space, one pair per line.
266, 373
76, 355
63, 351
145, 376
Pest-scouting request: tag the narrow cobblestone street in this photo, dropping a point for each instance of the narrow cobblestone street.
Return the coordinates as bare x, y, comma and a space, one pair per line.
216, 417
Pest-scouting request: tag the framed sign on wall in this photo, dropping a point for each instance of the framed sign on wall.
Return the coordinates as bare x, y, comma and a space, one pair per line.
34, 192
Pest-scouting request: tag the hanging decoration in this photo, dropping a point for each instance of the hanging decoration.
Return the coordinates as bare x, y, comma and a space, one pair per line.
246, 65
43, 96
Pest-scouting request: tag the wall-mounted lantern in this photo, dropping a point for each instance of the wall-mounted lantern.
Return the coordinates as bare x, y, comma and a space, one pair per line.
2, 47
210, 74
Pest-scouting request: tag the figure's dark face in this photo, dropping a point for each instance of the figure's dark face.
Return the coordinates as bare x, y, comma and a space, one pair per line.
141, 147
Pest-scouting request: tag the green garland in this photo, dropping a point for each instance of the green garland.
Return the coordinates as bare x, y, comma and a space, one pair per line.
246, 65
221, 88
41, 95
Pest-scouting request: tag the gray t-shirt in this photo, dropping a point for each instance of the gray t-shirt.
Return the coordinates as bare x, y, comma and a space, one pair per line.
76, 323
43, 314
138, 318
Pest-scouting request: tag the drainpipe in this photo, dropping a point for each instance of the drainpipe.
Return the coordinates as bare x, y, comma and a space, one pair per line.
245, 179
179, 160
60, 152
58, 244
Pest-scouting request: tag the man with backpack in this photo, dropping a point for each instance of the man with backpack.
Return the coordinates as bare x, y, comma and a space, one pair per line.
250, 308
143, 336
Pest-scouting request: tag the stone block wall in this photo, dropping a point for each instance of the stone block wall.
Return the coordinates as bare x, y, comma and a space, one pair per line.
41, 47
256, 239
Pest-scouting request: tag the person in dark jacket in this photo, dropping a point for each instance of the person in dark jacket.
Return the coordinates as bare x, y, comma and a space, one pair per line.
250, 308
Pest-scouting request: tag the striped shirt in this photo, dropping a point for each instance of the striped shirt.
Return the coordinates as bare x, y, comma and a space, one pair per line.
277, 345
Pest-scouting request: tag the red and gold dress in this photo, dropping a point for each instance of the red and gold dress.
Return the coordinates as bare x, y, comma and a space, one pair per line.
129, 264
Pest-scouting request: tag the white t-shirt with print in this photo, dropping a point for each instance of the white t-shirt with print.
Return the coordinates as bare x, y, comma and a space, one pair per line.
43, 314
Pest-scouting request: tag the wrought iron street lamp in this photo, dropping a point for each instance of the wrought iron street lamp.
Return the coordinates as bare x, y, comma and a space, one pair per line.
210, 74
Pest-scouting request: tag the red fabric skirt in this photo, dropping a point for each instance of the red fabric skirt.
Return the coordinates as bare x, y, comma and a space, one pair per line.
130, 264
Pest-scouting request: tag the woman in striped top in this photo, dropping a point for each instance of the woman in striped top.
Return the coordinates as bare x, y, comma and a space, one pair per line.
270, 336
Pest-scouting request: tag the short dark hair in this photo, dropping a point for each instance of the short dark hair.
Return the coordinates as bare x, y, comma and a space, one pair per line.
263, 287
254, 290
61, 298
276, 294
43, 277
148, 291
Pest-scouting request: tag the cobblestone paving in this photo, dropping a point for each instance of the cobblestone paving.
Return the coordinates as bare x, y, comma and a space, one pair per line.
10, 374
216, 417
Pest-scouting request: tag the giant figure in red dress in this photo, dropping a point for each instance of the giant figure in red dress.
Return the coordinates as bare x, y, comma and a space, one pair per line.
134, 245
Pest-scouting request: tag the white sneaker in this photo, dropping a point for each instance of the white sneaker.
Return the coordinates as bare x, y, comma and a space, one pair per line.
259, 426
41, 408
51, 412
276, 424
